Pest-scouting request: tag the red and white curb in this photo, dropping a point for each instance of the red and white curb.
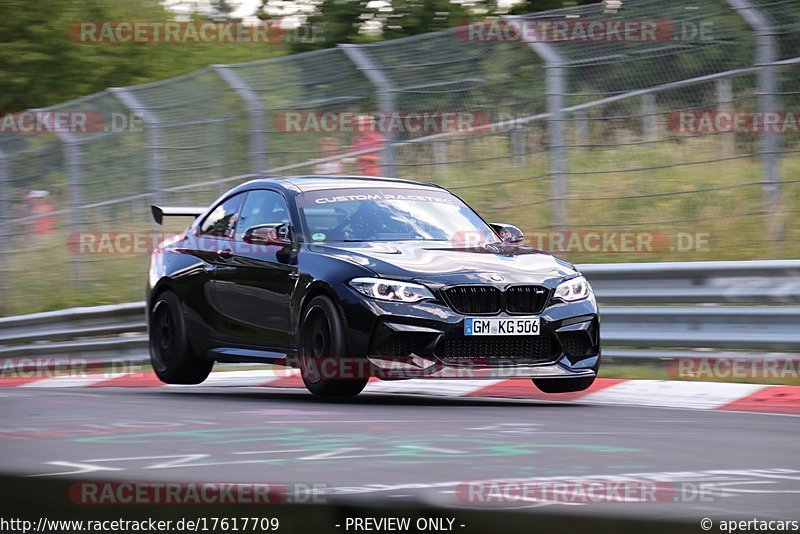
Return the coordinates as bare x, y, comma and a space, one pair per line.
658, 393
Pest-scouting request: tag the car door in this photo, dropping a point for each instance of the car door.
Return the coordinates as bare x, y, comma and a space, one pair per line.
207, 241
254, 286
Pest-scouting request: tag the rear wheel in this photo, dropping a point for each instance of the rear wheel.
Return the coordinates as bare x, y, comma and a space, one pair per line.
170, 353
323, 337
563, 385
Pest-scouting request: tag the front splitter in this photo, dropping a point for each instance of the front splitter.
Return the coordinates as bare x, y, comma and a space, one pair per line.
418, 367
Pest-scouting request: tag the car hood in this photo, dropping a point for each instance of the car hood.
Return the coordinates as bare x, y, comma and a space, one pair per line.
439, 262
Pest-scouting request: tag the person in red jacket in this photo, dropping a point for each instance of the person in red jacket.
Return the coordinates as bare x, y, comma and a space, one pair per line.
39, 207
367, 137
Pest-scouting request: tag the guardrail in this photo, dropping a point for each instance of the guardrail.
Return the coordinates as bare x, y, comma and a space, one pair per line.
704, 282
104, 333
650, 311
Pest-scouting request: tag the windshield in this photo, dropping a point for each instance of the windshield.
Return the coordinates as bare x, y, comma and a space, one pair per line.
389, 214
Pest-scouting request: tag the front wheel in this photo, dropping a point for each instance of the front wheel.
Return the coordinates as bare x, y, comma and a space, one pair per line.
170, 354
563, 385
322, 342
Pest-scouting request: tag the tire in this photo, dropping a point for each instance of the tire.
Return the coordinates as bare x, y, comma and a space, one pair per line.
170, 353
322, 335
563, 385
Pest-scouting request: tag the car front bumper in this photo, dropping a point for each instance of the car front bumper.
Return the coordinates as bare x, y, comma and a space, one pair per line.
426, 340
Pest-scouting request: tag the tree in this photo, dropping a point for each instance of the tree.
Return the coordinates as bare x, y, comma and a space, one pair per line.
221, 8
532, 6
339, 21
43, 60
411, 17
344, 21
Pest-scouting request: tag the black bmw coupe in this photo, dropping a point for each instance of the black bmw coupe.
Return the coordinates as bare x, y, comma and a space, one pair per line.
349, 278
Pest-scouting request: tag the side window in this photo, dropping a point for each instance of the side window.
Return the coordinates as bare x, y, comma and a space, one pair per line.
222, 221
262, 207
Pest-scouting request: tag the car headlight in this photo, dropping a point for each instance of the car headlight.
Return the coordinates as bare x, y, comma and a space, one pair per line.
573, 289
392, 290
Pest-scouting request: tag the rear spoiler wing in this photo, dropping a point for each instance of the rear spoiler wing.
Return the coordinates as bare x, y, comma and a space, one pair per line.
159, 212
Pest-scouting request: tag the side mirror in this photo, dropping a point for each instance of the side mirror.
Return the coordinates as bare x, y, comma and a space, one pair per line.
279, 234
508, 233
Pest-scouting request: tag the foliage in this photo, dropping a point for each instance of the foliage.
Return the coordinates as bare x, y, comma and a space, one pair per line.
42, 64
412, 17
532, 6
339, 21
352, 21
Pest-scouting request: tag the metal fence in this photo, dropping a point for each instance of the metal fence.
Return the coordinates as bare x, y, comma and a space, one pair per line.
570, 134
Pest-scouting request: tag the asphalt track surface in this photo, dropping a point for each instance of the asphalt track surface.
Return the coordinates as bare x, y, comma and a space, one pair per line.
391, 448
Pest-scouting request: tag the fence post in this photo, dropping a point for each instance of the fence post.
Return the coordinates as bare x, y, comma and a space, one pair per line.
556, 89
72, 162
725, 103
440, 159
256, 109
581, 121
766, 55
386, 96
6, 233
518, 143
649, 122
155, 158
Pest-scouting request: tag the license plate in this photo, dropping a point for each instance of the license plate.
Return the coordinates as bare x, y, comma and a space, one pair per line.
506, 326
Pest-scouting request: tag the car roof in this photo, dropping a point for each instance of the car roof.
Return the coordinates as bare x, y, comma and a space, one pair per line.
317, 183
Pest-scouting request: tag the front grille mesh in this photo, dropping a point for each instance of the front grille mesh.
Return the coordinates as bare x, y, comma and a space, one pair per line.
394, 347
474, 299
525, 299
576, 343
496, 349
489, 300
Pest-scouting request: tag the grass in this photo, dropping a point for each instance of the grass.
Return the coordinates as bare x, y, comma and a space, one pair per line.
728, 212
662, 372
718, 206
